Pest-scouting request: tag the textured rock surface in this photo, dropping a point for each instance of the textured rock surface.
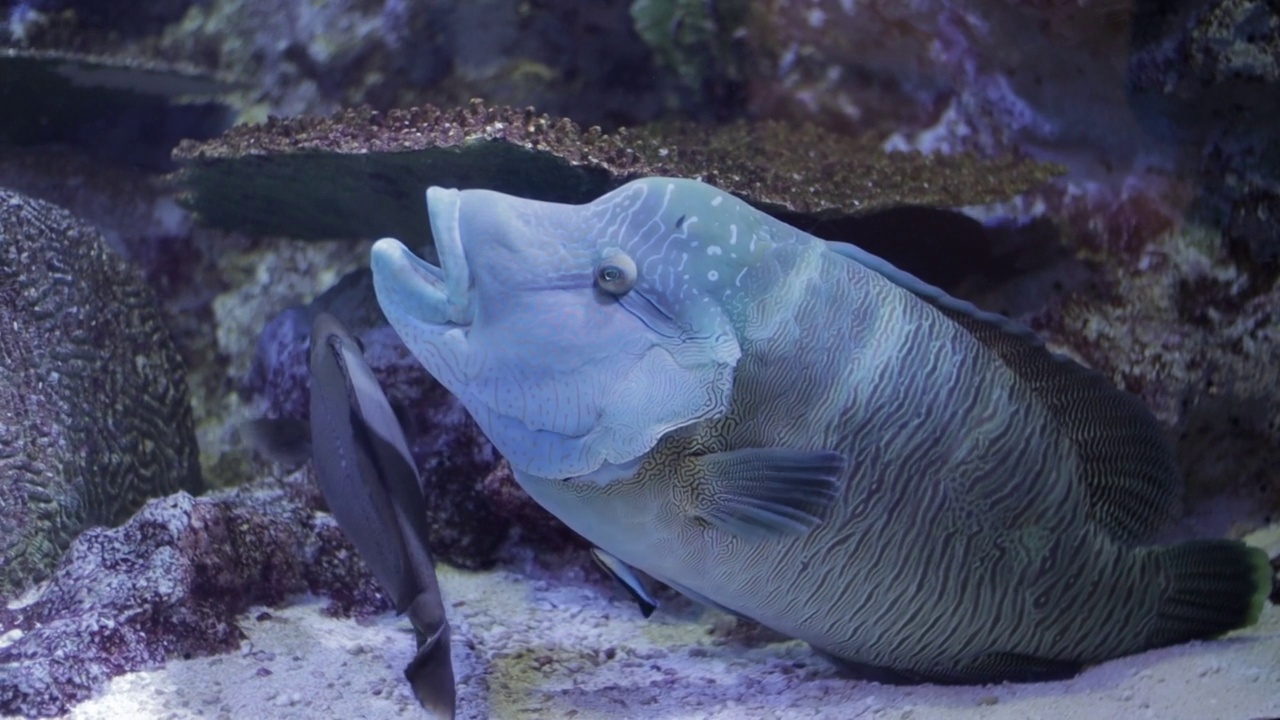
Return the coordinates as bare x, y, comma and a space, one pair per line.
1180, 326
568, 57
1108, 88
169, 584
1208, 78
363, 173
701, 42
94, 416
999, 71
216, 289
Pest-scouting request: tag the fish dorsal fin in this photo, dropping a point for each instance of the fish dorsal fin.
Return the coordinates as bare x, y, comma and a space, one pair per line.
1133, 483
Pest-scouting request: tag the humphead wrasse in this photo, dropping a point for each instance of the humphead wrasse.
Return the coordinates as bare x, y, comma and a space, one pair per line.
800, 433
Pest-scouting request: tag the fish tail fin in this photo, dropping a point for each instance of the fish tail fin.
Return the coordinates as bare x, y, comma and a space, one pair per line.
1212, 586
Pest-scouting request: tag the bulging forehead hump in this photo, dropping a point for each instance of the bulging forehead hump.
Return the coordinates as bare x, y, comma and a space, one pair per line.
617, 218
693, 243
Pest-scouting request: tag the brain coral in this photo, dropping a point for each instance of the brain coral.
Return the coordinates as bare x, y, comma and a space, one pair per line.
94, 417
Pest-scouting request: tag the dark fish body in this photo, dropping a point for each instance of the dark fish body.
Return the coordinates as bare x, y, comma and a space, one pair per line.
917, 488
369, 480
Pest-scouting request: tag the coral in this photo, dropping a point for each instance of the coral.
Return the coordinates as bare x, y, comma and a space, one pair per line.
368, 170
216, 289
94, 416
578, 59
1210, 78
169, 584
697, 40
993, 72
1171, 316
453, 456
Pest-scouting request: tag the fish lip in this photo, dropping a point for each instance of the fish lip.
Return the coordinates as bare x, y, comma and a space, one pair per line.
443, 208
411, 290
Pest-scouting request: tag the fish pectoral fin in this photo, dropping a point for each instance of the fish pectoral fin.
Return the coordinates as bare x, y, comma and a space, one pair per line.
758, 493
627, 577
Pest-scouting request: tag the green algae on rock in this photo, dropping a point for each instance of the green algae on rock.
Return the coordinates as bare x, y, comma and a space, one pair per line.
94, 416
694, 39
362, 173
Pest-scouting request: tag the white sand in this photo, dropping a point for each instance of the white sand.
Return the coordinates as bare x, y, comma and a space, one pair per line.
532, 642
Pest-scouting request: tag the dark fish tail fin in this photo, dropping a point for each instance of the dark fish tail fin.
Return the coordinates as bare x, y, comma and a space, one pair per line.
1212, 586
430, 672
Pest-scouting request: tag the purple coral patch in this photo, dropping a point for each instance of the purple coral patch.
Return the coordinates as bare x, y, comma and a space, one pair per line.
169, 584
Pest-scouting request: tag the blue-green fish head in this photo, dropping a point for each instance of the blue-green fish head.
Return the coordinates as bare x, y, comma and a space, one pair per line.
577, 335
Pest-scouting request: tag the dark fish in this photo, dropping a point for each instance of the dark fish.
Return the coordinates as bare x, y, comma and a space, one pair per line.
371, 484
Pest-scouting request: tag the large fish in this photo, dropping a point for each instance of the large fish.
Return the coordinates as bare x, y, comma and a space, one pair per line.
370, 482
800, 433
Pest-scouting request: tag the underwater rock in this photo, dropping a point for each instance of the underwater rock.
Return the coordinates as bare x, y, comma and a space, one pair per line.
94, 416
169, 584
1169, 314
701, 42
1209, 80
1103, 87
362, 173
581, 60
137, 216
121, 17
456, 461
1208, 70
128, 110
216, 289
975, 73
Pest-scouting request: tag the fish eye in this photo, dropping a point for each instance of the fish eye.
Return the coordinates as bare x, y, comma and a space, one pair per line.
616, 273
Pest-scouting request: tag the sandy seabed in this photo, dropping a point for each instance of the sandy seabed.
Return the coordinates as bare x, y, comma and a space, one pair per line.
533, 641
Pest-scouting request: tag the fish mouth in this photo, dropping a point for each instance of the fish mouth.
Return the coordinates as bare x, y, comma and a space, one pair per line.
409, 286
